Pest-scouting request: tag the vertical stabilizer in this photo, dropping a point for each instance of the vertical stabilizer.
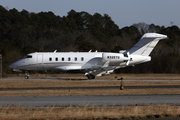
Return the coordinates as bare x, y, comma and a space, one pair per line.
146, 44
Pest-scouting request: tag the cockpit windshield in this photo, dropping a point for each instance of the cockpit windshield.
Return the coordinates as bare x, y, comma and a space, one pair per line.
27, 56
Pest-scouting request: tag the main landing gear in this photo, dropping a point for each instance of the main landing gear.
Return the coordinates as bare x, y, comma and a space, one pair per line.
26, 75
90, 76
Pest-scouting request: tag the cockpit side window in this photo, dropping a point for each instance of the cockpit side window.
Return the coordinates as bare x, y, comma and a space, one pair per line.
27, 56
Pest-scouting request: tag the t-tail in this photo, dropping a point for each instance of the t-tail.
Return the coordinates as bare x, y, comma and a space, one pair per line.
146, 44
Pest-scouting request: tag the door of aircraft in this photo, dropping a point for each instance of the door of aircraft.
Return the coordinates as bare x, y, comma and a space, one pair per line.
39, 61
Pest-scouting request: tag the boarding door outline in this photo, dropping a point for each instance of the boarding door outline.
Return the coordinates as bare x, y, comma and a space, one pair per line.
39, 61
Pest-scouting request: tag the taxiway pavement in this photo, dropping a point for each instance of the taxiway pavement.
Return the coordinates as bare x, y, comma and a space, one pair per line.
125, 100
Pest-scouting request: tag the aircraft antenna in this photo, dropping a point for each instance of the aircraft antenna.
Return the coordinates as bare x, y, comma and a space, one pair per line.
55, 51
90, 51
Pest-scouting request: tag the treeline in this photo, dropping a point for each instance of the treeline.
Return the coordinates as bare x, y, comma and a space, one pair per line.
25, 32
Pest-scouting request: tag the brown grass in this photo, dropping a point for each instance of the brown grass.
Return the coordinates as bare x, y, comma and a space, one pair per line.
68, 83
89, 112
82, 92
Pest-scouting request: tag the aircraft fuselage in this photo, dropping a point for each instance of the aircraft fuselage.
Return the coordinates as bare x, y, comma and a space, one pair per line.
66, 61
92, 63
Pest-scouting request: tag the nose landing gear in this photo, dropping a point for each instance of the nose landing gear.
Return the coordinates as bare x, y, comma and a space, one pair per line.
26, 75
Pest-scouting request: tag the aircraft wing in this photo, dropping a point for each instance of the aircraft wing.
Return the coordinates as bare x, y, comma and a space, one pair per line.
104, 70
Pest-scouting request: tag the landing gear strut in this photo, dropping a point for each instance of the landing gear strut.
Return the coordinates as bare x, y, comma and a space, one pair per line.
26, 75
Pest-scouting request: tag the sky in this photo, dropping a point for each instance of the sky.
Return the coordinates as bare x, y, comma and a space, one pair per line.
122, 12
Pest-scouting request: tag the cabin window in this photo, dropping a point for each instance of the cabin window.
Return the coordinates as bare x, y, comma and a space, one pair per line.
82, 59
27, 56
50, 59
56, 58
75, 59
69, 59
62, 59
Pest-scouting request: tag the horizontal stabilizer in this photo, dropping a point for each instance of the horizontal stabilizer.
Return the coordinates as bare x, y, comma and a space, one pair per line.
146, 44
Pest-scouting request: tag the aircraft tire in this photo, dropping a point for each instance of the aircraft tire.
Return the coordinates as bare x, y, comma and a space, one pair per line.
26, 77
90, 76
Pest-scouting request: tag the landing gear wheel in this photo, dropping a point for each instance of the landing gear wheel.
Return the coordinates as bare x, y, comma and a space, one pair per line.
90, 76
26, 77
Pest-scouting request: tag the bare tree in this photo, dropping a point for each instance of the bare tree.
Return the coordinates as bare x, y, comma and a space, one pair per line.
172, 23
142, 27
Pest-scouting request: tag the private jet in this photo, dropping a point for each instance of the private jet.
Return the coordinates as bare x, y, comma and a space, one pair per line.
91, 63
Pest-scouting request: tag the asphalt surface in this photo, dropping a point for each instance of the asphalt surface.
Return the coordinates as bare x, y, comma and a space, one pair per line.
125, 100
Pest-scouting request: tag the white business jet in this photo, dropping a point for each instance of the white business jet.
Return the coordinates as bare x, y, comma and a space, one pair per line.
91, 63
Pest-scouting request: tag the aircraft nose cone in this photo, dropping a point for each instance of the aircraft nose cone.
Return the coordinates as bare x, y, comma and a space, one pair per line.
11, 65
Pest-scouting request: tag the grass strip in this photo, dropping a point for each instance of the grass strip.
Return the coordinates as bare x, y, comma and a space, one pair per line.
68, 83
82, 92
89, 112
